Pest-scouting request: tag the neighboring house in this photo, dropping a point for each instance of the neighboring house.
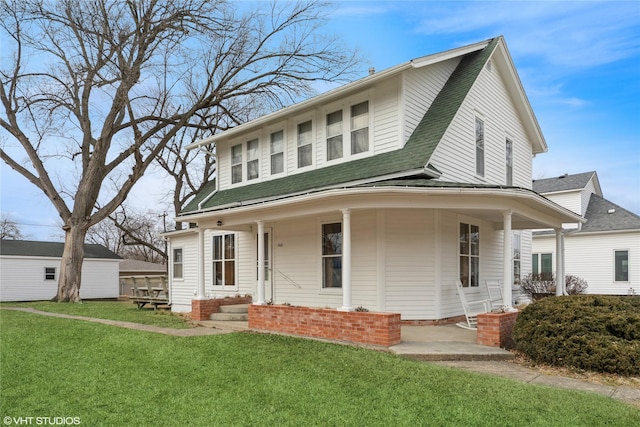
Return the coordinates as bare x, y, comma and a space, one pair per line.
605, 251
29, 271
378, 194
134, 267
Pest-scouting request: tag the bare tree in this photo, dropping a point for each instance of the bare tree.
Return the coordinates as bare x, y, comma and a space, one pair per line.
9, 229
132, 235
96, 89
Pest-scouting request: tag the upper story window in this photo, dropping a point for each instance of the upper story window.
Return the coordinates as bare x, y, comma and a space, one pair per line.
355, 132
479, 147
236, 163
253, 162
277, 152
509, 160
305, 144
334, 135
360, 128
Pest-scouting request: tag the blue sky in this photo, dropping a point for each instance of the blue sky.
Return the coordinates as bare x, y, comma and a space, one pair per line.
579, 63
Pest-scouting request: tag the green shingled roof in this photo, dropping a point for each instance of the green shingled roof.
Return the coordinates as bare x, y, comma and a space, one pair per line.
414, 155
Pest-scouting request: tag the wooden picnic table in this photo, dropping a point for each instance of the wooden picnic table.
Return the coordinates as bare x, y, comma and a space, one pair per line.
145, 290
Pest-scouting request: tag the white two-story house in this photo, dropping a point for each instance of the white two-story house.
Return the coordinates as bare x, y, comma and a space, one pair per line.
379, 194
605, 250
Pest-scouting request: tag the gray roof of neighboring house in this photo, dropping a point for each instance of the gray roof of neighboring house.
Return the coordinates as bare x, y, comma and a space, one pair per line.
564, 182
415, 155
136, 266
599, 218
50, 249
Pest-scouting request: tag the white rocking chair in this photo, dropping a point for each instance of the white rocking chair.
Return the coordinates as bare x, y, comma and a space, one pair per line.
494, 287
471, 308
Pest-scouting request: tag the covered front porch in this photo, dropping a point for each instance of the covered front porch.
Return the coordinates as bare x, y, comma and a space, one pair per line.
399, 247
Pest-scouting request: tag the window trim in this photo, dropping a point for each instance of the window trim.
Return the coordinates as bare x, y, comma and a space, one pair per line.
324, 289
469, 255
480, 168
47, 274
508, 149
173, 263
282, 153
615, 266
235, 260
311, 142
255, 159
346, 109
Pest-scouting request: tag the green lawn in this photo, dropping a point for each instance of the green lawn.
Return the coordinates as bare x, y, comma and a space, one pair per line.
114, 310
110, 376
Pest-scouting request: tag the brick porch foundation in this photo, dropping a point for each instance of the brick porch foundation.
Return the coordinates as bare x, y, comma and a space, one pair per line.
494, 329
381, 329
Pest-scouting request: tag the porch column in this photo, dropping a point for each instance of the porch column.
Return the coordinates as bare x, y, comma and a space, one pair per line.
559, 263
260, 264
200, 293
507, 267
346, 260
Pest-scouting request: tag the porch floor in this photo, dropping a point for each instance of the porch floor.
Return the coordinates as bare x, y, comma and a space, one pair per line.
429, 343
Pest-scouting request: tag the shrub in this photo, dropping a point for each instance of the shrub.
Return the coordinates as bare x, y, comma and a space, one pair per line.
590, 332
540, 285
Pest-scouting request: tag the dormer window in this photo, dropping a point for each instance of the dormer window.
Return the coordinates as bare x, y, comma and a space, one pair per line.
253, 165
353, 133
305, 144
236, 163
277, 152
334, 135
360, 128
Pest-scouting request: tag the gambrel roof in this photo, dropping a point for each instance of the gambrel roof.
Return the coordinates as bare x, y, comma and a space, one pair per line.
34, 248
412, 160
564, 182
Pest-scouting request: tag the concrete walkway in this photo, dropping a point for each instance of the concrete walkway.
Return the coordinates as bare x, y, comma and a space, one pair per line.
449, 346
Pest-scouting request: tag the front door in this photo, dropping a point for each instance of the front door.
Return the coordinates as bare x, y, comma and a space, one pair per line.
268, 290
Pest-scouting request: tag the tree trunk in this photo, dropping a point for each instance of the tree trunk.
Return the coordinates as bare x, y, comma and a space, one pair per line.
71, 266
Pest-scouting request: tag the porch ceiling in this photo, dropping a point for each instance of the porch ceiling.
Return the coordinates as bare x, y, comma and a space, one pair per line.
529, 210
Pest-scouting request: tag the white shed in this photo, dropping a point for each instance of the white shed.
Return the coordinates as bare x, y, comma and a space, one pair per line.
29, 271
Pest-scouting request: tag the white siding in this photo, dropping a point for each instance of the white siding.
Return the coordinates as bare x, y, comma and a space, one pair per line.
386, 120
422, 85
22, 278
571, 200
455, 155
589, 189
591, 257
184, 290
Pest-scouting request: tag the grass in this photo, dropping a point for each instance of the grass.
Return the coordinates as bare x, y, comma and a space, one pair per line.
115, 310
111, 376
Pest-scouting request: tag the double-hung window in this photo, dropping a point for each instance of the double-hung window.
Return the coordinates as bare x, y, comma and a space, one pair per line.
621, 266
509, 161
334, 135
332, 255
479, 146
469, 253
517, 261
253, 162
224, 260
177, 263
305, 144
360, 128
236, 163
277, 152
348, 131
